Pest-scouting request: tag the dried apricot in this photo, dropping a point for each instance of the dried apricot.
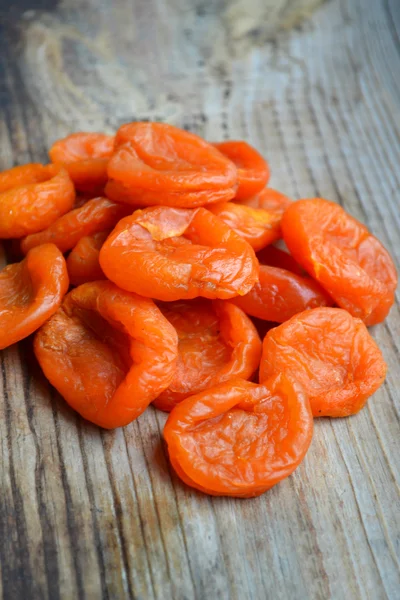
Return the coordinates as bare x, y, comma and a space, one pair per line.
178, 254
85, 156
216, 342
30, 292
279, 294
83, 260
23, 175
252, 168
343, 256
256, 225
108, 352
240, 438
95, 215
268, 199
156, 163
331, 354
32, 197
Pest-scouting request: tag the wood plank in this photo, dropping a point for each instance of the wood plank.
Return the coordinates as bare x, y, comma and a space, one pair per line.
90, 514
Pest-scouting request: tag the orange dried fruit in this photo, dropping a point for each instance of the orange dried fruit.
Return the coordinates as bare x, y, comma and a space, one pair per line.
178, 254
216, 342
108, 352
32, 197
280, 294
156, 163
343, 256
331, 354
30, 292
256, 225
252, 169
93, 216
239, 438
85, 156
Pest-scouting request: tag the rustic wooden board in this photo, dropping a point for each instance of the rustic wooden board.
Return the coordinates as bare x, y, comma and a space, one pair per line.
90, 514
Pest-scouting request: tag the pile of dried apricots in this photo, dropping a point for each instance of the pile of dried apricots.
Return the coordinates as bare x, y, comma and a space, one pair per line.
172, 255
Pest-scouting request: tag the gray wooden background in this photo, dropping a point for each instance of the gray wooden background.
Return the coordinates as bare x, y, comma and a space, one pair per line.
89, 514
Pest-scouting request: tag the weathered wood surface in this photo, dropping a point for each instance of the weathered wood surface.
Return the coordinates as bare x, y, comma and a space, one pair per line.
89, 514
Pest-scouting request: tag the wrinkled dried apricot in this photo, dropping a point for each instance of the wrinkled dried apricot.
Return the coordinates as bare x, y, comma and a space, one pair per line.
240, 438
95, 215
85, 156
280, 294
156, 163
331, 354
23, 175
83, 260
343, 256
216, 342
268, 199
256, 225
252, 168
32, 197
30, 292
108, 352
178, 254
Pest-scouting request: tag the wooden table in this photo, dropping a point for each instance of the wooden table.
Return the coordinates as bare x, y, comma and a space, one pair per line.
92, 514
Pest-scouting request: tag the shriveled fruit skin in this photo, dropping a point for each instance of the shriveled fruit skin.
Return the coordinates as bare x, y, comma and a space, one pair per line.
239, 438
256, 225
85, 156
280, 294
331, 354
30, 292
268, 199
32, 197
23, 175
217, 342
83, 260
343, 256
108, 352
252, 169
178, 254
93, 216
156, 163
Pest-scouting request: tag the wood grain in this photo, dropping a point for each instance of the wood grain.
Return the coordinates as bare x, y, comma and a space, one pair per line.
89, 514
